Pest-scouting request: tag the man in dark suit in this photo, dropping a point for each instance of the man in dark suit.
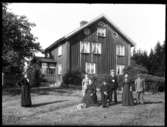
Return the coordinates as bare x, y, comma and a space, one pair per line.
113, 84
104, 93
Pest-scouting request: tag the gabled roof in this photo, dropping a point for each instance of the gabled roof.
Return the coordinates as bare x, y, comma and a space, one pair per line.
88, 24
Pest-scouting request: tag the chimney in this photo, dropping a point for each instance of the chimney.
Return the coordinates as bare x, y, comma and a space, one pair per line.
83, 23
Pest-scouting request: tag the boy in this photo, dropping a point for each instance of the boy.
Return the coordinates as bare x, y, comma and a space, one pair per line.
104, 93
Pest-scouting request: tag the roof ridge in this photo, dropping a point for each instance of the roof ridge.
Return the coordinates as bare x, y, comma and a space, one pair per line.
102, 15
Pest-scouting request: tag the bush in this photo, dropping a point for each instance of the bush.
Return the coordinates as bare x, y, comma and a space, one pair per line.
74, 78
35, 76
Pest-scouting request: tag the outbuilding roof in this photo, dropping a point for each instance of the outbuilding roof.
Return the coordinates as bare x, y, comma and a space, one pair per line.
44, 59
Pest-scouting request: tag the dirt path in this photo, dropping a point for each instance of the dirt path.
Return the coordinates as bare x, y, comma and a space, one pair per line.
55, 109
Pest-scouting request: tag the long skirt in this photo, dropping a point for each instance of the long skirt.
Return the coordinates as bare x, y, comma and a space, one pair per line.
25, 96
89, 100
127, 97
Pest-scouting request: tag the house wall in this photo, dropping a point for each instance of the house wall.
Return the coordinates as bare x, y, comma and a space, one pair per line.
63, 59
105, 61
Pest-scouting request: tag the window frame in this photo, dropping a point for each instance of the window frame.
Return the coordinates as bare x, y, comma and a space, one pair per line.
44, 68
120, 50
59, 72
89, 67
60, 50
101, 32
121, 68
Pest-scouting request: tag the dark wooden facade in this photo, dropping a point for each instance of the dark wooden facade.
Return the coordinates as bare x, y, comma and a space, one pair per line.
73, 60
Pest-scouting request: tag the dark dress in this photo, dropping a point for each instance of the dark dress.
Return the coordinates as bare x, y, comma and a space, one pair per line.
88, 99
127, 97
104, 88
25, 92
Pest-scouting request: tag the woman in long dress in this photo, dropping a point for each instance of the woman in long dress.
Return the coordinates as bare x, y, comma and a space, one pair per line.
25, 89
127, 95
89, 92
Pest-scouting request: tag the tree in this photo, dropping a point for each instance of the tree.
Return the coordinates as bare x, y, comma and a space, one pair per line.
154, 62
18, 41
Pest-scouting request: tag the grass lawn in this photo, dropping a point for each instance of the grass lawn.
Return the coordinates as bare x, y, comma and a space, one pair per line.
54, 106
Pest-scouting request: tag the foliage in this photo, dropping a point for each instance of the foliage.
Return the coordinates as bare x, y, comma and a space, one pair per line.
18, 41
74, 77
133, 69
154, 62
34, 74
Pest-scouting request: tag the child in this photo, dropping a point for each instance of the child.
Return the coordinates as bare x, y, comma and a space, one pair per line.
104, 94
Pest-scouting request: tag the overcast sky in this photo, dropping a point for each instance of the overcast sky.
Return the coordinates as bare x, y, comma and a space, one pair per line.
143, 23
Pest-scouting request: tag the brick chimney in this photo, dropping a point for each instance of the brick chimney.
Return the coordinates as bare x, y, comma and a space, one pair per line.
83, 23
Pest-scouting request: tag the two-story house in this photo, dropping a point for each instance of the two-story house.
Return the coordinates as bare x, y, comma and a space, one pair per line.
95, 47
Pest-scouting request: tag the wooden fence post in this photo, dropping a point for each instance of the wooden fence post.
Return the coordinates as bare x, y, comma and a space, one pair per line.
2, 79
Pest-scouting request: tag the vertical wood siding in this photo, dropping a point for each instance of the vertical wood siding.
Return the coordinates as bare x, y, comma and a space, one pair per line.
73, 60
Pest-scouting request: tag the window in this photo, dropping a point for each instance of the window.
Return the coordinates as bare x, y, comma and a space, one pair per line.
101, 32
90, 68
44, 68
119, 69
96, 48
120, 50
59, 69
60, 50
51, 70
85, 47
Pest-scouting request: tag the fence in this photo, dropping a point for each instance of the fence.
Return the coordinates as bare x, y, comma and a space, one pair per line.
50, 77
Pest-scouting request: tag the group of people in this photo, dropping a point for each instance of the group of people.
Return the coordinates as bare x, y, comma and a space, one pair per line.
109, 88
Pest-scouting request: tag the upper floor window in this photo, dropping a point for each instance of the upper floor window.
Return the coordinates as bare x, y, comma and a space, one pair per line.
60, 50
90, 68
85, 47
96, 48
59, 69
120, 69
101, 32
120, 50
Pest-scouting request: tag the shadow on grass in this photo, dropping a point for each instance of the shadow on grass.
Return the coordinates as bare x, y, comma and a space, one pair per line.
150, 102
99, 103
52, 91
47, 103
39, 91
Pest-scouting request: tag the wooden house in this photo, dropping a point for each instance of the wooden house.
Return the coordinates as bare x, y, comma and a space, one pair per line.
95, 47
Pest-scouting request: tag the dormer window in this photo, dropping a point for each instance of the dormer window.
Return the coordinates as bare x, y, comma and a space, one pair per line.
101, 32
60, 50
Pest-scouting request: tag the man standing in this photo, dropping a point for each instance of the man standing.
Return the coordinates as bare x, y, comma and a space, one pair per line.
113, 85
139, 84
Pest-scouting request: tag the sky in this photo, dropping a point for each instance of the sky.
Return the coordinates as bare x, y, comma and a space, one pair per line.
143, 23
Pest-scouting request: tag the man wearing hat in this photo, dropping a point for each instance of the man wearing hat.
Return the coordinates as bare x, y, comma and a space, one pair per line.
113, 85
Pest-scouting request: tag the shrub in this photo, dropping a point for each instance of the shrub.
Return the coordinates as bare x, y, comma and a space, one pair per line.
74, 78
